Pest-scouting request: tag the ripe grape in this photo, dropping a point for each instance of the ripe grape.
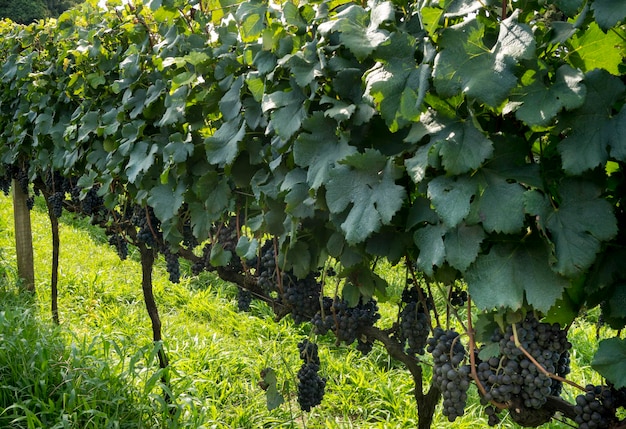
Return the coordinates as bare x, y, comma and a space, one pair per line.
120, 244
172, 264
449, 375
56, 203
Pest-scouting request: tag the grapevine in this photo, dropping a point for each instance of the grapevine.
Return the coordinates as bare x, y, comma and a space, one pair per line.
478, 143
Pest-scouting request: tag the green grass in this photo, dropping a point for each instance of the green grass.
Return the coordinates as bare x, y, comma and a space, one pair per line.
99, 368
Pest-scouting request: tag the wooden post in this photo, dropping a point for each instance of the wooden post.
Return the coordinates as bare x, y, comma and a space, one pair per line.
23, 238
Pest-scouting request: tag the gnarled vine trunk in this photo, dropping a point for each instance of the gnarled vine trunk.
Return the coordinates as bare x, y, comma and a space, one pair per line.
147, 262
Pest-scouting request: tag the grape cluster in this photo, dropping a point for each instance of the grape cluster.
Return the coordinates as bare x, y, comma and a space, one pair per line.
449, 375
513, 376
244, 299
203, 262
189, 240
301, 296
227, 237
56, 200
5, 184
21, 175
310, 385
172, 264
345, 321
121, 246
147, 224
493, 417
266, 268
413, 327
92, 203
458, 297
596, 408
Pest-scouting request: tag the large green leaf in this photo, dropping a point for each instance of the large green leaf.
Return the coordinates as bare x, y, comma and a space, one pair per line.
166, 199
608, 12
396, 85
288, 110
223, 146
251, 18
460, 144
540, 104
319, 149
432, 252
463, 244
451, 197
359, 30
578, 226
511, 272
465, 64
141, 159
591, 128
610, 361
365, 185
500, 205
594, 49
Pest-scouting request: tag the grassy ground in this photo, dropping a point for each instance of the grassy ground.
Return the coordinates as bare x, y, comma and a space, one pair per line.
98, 369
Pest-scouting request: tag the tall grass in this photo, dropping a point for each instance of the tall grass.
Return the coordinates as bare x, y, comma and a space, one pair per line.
98, 369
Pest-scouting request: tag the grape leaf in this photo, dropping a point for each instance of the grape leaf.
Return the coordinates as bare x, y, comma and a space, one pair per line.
541, 103
366, 183
595, 49
461, 145
429, 241
319, 148
465, 64
578, 226
608, 12
500, 206
268, 383
358, 31
223, 146
508, 273
141, 159
288, 111
463, 244
569, 7
590, 128
610, 359
166, 200
398, 86
451, 197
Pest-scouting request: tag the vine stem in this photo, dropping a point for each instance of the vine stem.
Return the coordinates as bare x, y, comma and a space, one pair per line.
451, 308
422, 298
472, 349
538, 365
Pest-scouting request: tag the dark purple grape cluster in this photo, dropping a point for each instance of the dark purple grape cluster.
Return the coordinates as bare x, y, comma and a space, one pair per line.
266, 269
311, 386
458, 297
512, 376
147, 224
244, 299
345, 321
449, 375
301, 296
92, 203
56, 200
189, 239
5, 184
493, 417
413, 328
203, 261
172, 264
121, 246
596, 408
